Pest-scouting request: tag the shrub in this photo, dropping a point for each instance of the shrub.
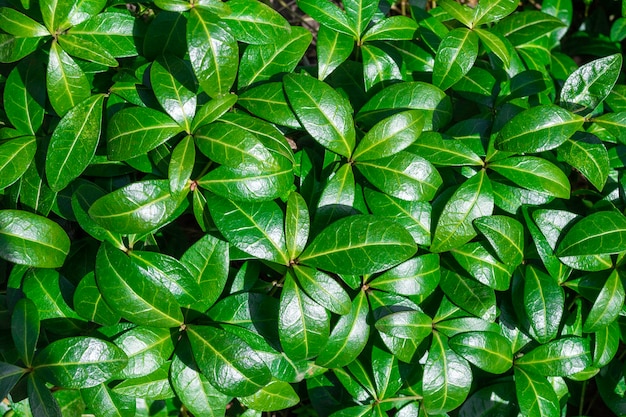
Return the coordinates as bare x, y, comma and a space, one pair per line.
205, 212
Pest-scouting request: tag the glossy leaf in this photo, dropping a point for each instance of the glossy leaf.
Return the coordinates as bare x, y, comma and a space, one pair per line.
413, 325
590, 84
477, 261
328, 14
323, 289
587, 154
130, 294
147, 348
181, 165
544, 304
561, 357
444, 152
227, 361
18, 24
473, 199
136, 130
41, 401
349, 336
33, 240
212, 110
379, 68
277, 395
174, 86
9, 377
109, 403
140, 207
73, 143
506, 236
25, 96
255, 22
303, 324
325, 115
607, 305
393, 28
333, 48
89, 303
66, 82
489, 351
538, 129
447, 377
533, 173
297, 225
469, 294
535, 394
417, 276
213, 52
115, 32
79, 362
25, 329
255, 228
155, 385
493, 10
15, 157
404, 175
599, 233
359, 244
390, 136
455, 57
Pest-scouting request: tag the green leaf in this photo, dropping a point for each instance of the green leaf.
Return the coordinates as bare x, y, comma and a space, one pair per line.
458, 11
269, 102
275, 396
82, 199
114, 32
538, 129
15, 23
607, 305
212, 110
253, 227
561, 357
297, 225
79, 362
349, 336
506, 236
167, 273
534, 173
358, 245
15, 48
606, 344
147, 348
140, 207
535, 394
404, 96
476, 259
213, 51
413, 215
73, 143
587, 154
255, 22
181, 164
174, 86
15, 157
417, 276
25, 329
207, 261
193, 388
473, 199
107, 402
447, 377
41, 401
25, 96
134, 131
455, 57
469, 294
409, 324
66, 82
599, 233
333, 48
323, 289
337, 197
590, 84
379, 68
87, 50
89, 303
404, 175
524, 27
9, 377
328, 14
303, 324
393, 28
390, 136
132, 295
265, 62
488, 11
489, 351
544, 304
325, 115
360, 13
33, 240
227, 361
444, 152
155, 385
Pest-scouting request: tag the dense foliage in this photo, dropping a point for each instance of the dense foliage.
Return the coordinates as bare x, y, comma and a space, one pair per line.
205, 211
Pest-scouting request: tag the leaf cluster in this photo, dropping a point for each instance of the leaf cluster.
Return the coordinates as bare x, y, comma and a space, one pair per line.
205, 212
